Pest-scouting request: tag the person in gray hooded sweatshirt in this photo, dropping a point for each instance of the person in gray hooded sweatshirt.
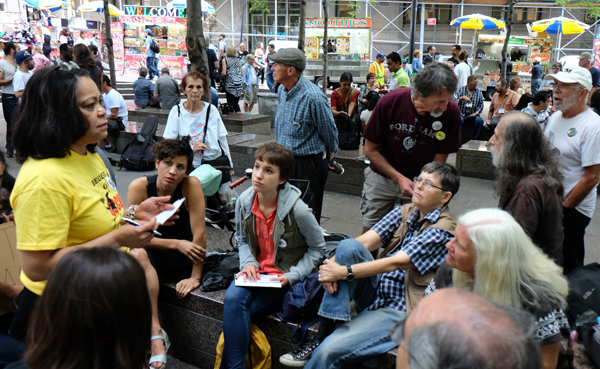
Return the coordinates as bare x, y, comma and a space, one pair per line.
276, 234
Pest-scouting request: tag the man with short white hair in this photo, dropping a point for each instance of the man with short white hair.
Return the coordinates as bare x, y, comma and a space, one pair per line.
585, 61
574, 130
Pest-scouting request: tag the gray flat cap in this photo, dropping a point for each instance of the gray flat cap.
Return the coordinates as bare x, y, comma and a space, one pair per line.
291, 57
586, 55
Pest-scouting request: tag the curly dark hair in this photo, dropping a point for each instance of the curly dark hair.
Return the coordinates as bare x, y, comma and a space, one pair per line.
525, 151
171, 148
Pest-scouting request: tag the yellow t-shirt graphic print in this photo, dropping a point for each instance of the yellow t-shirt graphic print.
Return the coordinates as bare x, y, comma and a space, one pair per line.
61, 202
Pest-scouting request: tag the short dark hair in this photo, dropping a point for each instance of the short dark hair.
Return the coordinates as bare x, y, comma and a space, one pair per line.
430, 47
595, 101
501, 82
63, 48
100, 290
106, 79
49, 120
449, 176
196, 75
345, 77
457, 47
395, 57
471, 78
277, 155
93, 49
540, 97
272, 46
170, 148
435, 78
8, 46
372, 98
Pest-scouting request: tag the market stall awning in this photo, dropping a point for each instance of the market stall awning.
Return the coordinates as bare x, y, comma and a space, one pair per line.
477, 21
51, 5
182, 4
98, 6
558, 25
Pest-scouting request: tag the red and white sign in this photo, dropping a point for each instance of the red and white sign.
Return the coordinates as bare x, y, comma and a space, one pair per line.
431, 21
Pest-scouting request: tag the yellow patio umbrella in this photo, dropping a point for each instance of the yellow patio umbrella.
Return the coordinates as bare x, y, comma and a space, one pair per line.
558, 26
477, 22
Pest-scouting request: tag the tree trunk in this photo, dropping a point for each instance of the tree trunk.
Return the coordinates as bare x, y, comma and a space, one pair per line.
302, 30
109, 45
509, 15
325, 15
196, 44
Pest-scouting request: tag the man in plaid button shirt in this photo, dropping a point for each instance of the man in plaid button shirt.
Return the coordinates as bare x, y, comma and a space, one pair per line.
304, 123
378, 286
470, 101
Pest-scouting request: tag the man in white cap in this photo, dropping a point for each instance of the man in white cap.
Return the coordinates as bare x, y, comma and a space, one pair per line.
536, 75
574, 130
585, 61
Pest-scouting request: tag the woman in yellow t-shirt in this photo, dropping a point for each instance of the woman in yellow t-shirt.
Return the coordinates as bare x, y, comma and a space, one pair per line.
64, 199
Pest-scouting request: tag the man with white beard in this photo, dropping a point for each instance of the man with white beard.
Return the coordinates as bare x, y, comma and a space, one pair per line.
409, 128
528, 181
574, 130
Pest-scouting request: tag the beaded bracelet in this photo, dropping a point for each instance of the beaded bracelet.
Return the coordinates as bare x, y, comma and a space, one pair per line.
131, 211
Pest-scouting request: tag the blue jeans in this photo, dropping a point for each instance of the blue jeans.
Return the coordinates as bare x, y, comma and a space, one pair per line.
241, 305
11, 350
9, 105
535, 85
152, 64
363, 291
364, 337
270, 80
477, 125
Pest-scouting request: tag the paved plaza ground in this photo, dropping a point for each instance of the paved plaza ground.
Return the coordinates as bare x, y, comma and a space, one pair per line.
341, 212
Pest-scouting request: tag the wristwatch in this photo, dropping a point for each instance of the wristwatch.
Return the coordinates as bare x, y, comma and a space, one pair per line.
350, 276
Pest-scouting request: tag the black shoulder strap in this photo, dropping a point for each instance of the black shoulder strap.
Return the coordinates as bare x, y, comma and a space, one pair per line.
206, 124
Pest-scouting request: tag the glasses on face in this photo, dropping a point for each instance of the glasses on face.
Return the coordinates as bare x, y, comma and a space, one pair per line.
427, 185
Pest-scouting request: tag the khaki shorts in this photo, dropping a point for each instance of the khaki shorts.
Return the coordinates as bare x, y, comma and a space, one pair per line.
379, 196
251, 97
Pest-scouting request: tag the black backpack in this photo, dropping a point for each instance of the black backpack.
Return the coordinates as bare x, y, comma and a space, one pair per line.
348, 131
584, 291
154, 47
137, 155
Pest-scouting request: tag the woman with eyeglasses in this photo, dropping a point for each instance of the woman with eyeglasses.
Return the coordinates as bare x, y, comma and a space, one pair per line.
548, 84
492, 256
364, 90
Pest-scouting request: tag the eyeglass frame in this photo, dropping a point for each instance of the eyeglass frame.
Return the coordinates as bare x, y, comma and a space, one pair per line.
427, 183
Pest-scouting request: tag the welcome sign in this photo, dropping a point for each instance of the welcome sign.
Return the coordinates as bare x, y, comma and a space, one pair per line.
154, 11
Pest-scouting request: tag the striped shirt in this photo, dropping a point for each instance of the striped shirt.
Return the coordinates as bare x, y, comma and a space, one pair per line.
427, 250
304, 122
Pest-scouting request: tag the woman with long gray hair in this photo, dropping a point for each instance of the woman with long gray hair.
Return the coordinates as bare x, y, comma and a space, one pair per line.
492, 256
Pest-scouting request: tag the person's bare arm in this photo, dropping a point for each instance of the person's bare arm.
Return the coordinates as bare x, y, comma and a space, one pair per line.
114, 114
331, 271
216, 64
591, 176
351, 108
192, 190
19, 94
372, 153
38, 265
224, 71
549, 355
4, 82
156, 96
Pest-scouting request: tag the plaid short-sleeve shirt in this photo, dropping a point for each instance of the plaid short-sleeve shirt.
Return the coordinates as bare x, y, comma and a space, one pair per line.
427, 250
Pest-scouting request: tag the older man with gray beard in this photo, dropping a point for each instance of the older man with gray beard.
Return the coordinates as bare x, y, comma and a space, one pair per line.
528, 181
409, 128
574, 130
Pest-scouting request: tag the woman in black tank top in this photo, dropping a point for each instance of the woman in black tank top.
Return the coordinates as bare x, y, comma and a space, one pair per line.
177, 255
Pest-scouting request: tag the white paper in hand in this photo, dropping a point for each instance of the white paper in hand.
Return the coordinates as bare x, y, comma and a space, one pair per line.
264, 281
165, 215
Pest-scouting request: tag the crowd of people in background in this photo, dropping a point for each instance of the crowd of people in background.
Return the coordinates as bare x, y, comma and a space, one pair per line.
503, 267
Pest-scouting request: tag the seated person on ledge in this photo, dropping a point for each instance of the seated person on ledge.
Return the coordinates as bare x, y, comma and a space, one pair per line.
177, 255
277, 234
344, 98
492, 256
414, 237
